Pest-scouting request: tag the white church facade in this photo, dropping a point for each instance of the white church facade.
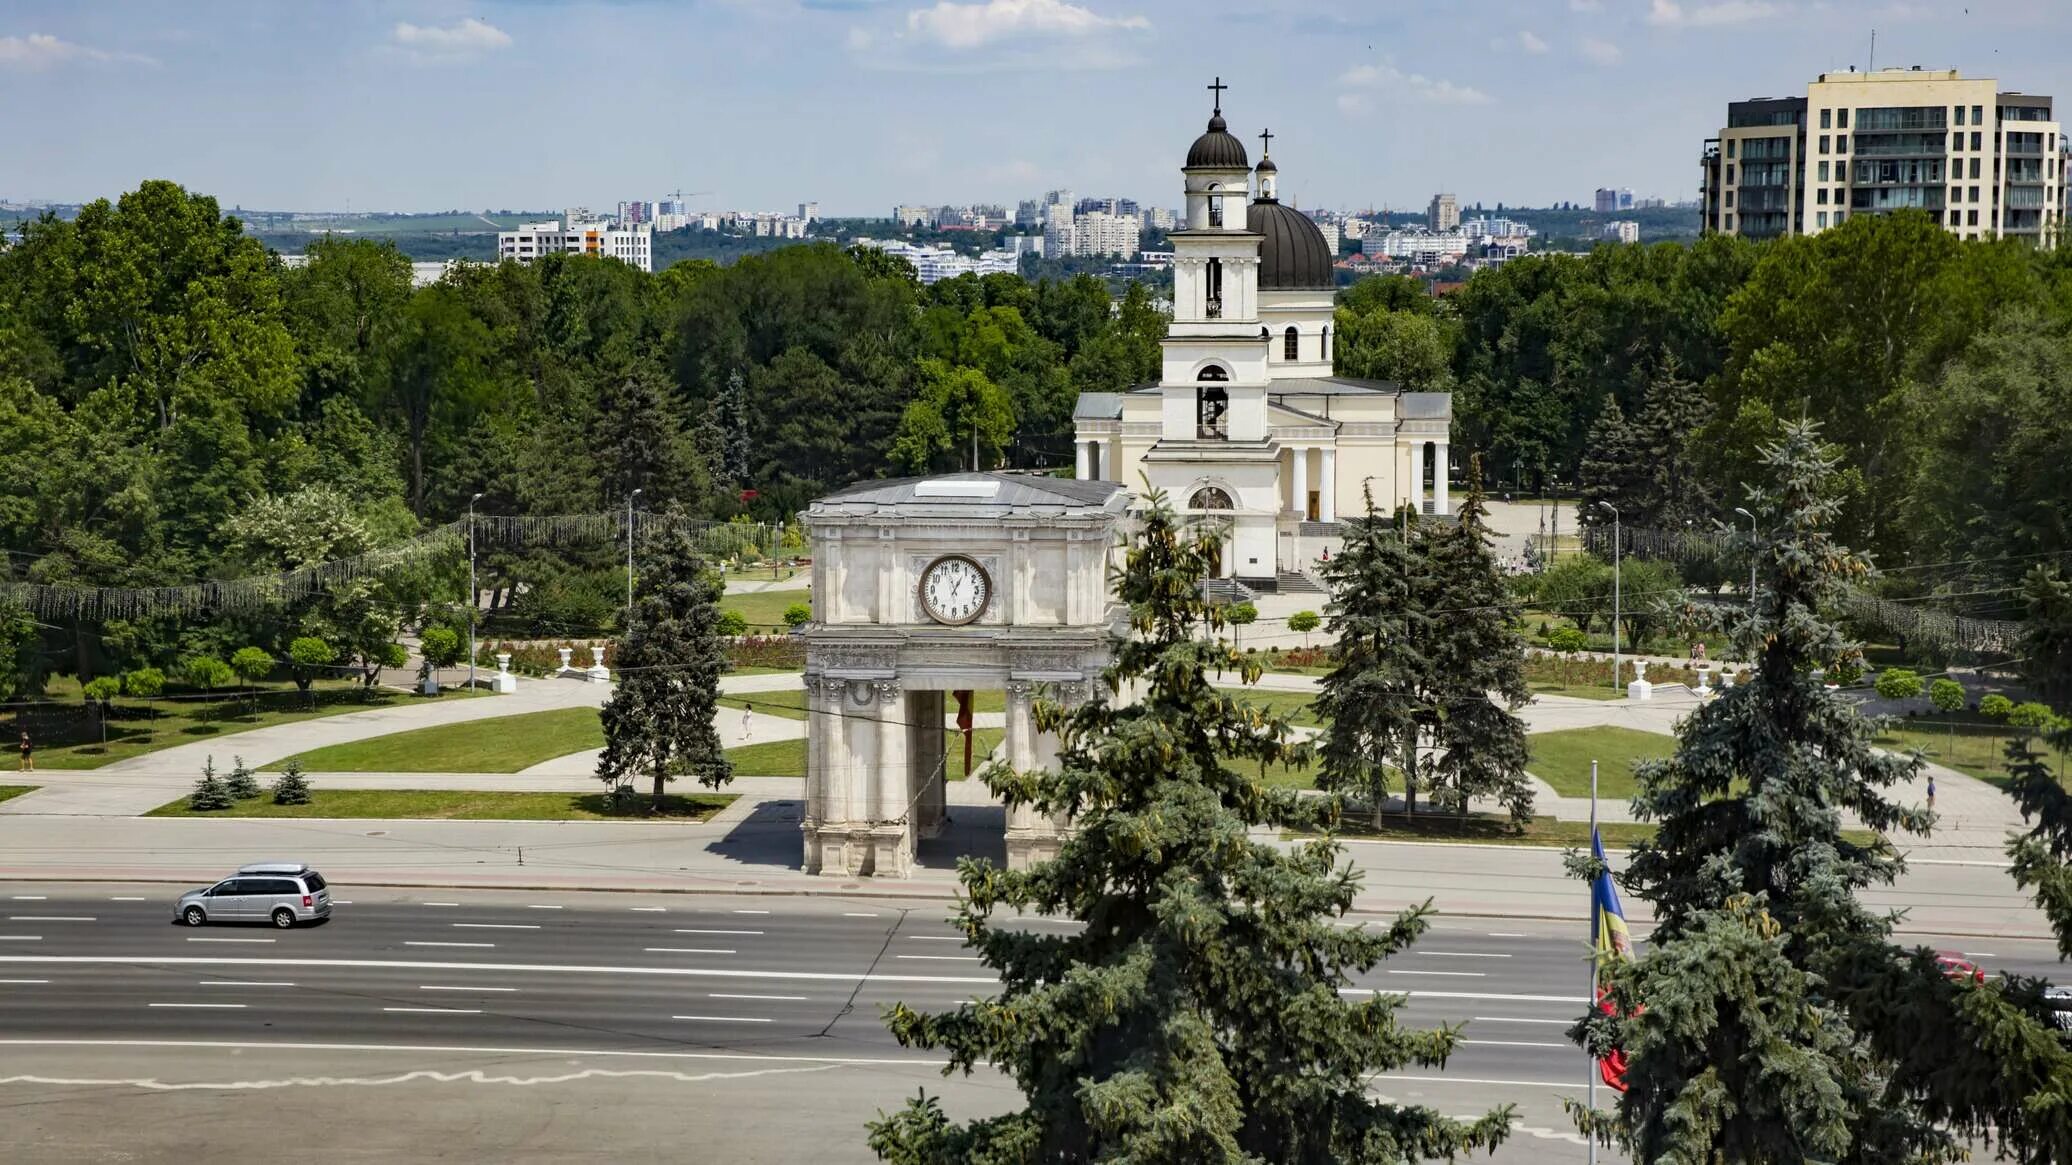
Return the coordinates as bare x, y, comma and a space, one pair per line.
1247, 424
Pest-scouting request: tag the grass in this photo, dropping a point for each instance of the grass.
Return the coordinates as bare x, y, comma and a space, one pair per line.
139, 727
500, 744
1488, 829
764, 610
1963, 741
8, 792
457, 805
787, 758
791, 703
1562, 759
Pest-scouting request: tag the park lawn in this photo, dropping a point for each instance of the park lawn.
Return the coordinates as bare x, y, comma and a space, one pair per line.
1966, 742
1486, 829
764, 610
500, 744
8, 792
787, 758
145, 726
459, 805
1562, 759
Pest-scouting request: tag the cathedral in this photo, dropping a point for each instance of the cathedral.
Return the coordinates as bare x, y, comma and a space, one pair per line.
1247, 426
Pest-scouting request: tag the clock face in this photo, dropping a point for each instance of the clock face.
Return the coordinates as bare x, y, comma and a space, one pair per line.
954, 589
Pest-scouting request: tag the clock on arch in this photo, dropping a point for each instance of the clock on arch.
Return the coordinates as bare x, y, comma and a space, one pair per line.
955, 589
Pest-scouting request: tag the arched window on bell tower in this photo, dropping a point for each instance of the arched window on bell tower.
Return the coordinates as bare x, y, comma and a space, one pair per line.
1327, 342
1213, 309
1291, 344
1212, 405
1216, 210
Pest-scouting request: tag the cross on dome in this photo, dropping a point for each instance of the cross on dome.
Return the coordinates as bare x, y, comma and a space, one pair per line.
1218, 89
1265, 142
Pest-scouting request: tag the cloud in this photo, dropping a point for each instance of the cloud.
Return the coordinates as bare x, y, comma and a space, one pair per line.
1599, 52
41, 50
471, 35
1670, 14
1365, 82
1531, 43
971, 26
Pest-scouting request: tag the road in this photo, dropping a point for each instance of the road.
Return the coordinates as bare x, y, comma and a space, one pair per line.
551, 1026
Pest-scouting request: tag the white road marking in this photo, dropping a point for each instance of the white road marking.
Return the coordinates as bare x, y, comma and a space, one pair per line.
341, 902
50, 918
937, 938
1458, 955
1517, 1019
127, 898
498, 925
21, 938
714, 995
1447, 974
721, 1018
441, 904
1979, 954
1575, 999
1515, 1044
430, 987
1506, 934
218, 1006
266, 1045
944, 958
415, 943
22, 982
28, 897
195, 938
438, 1010
702, 930
572, 969
650, 909
751, 912
245, 983
687, 950
858, 914
537, 906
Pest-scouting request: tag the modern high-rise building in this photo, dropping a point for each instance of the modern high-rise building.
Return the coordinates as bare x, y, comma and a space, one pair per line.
580, 234
1444, 214
1986, 163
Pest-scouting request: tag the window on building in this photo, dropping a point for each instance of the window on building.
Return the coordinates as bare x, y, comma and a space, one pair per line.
1820, 219
1291, 345
1730, 200
1842, 119
1976, 139
1971, 218
1327, 343
1956, 217
1841, 143
1730, 147
1823, 143
1957, 115
1730, 175
1729, 220
1820, 196
1209, 497
1826, 118
1212, 307
1978, 115
1215, 210
1212, 406
1974, 195
1823, 171
1956, 195
1974, 167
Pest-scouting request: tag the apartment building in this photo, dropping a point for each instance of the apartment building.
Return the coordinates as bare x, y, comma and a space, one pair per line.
1987, 163
583, 234
1094, 233
1622, 231
1443, 214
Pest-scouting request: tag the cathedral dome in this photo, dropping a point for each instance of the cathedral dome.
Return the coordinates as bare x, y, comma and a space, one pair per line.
1217, 149
1293, 255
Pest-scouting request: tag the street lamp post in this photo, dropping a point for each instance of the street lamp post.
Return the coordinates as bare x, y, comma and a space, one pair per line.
1751, 556
629, 558
474, 596
1616, 540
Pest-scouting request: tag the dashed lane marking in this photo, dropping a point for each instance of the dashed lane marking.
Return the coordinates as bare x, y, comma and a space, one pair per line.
28, 897
197, 938
437, 1010
245, 983
21, 982
709, 930
1518, 1019
51, 918
211, 1006
858, 914
436, 987
421, 943
1447, 974
687, 950
722, 1018
537, 906
497, 925
1459, 955
127, 898
649, 909
751, 912
778, 998
21, 938
441, 904
944, 958
531, 968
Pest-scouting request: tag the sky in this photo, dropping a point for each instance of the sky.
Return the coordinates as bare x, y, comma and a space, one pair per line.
860, 104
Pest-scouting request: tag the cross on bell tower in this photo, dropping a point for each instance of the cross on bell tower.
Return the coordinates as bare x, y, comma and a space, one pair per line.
1218, 89
1265, 142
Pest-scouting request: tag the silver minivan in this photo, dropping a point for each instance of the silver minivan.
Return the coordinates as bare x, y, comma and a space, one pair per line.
283, 893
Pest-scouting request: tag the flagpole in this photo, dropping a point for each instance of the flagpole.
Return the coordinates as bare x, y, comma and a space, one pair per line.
1593, 957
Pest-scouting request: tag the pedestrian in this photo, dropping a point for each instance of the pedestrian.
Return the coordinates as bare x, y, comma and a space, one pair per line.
1931, 792
28, 753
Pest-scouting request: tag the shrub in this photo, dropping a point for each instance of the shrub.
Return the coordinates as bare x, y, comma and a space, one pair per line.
1304, 622
1995, 707
438, 647
1898, 683
1946, 695
1845, 672
1304, 657
1240, 615
2032, 715
1567, 640
206, 672
242, 784
101, 689
733, 624
307, 656
143, 683
210, 795
771, 651
252, 664
798, 615
292, 788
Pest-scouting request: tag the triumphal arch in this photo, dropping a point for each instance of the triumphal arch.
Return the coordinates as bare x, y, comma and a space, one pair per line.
925, 587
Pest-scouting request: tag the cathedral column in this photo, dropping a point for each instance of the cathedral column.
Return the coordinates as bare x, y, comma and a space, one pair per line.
1327, 486
1084, 454
892, 845
1299, 487
1439, 476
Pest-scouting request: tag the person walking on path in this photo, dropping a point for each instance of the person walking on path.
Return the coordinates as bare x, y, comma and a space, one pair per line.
1931, 792
28, 753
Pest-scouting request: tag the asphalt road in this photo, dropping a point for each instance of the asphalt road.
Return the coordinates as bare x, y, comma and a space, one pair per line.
98, 984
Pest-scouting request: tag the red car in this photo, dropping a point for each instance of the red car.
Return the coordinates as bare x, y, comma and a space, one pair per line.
1958, 969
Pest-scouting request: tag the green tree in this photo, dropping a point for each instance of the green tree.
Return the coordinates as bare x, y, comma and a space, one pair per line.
206, 672
1368, 701
1995, 706
1206, 981
659, 720
1580, 587
1304, 622
210, 794
438, 647
2047, 631
731, 624
242, 785
1240, 616
958, 419
307, 657
1898, 683
251, 664
798, 615
144, 683
291, 787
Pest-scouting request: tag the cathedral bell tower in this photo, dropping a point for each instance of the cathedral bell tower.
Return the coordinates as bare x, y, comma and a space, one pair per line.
1214, 370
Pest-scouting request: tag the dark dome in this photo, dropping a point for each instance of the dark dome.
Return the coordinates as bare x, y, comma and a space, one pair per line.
1293, 256
1217, 148
1266, 166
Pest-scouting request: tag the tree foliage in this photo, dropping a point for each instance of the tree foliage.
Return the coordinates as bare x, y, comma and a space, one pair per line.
1197, 1016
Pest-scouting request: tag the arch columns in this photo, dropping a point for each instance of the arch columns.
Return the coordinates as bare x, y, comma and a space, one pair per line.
1032, 836
1439, 497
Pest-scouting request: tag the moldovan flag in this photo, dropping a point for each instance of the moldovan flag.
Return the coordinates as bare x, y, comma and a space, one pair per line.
1613, 944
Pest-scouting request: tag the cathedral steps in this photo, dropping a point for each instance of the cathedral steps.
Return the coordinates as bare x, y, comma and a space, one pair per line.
1300, 582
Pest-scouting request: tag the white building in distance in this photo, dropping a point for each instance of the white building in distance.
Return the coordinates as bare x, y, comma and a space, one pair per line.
583, 234
1624, 231
1093, 233
933, 264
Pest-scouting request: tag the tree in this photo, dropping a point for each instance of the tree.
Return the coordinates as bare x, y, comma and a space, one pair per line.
251, 664
1476, 667
1898, 683
1947, 697
145, 683
798, 615
1567, 640
2047, 638
291, 787
659, 720
210, 794
1206, 980
1368, 701
307, 656
1239, 616
1995, 706
438, 647
1772, 1018
1580, 587
206, 672
1304, 622
242, 785
732, 624
958, 419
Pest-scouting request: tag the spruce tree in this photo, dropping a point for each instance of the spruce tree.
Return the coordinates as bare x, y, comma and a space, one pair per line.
1772, 1019
1197, 1016
659, 721
291, 787
1610, 468
1476, 667
1672, 487
209, 794
242, 785
1368, 701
